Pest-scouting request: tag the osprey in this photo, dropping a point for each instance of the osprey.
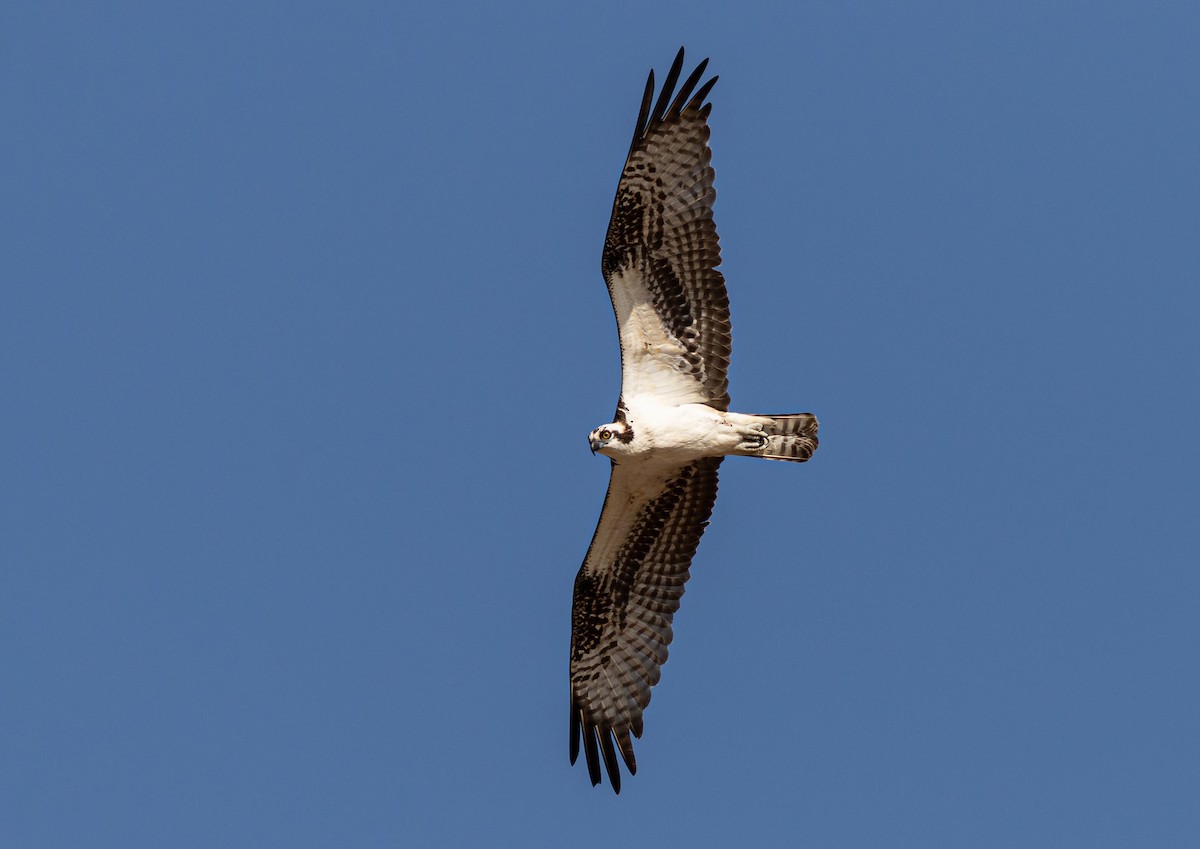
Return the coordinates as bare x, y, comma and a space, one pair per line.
672, 425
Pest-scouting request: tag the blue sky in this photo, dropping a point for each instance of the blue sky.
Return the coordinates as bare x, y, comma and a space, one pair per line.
302, 332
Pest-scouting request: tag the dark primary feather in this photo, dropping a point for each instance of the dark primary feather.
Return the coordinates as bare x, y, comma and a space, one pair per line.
662, 244
626, 595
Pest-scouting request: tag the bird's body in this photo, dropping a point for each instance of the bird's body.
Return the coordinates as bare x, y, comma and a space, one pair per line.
673, 433
672, 426
664, 434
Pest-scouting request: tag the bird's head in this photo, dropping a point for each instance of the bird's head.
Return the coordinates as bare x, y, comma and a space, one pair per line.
611, 439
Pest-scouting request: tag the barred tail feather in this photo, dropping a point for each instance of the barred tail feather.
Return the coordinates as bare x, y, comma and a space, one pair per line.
791, 437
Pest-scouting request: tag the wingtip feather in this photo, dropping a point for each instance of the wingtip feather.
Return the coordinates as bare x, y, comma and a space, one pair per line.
610, 759
575, 719
591, 754
685, 90
702, 92
668, 88
625, 745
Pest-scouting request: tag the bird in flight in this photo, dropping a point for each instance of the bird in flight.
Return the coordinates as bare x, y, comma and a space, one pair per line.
672, 426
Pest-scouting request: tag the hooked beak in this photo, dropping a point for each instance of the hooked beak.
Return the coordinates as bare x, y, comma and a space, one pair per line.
595, 444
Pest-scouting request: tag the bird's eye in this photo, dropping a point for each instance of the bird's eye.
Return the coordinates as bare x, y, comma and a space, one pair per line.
606, 434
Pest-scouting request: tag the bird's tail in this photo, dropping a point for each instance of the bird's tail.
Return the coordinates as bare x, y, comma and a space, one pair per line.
790, 437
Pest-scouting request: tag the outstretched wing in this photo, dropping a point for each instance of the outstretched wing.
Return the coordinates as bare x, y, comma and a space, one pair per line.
661, 253
626, 595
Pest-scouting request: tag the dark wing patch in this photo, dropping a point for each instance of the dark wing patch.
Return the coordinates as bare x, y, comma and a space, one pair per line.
626, 595
662, 245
